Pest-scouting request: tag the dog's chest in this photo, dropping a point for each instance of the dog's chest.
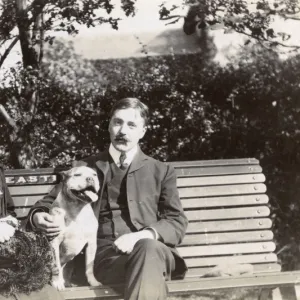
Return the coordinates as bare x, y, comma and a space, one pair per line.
77, 233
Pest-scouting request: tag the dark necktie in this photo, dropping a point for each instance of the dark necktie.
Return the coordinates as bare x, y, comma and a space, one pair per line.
123, 165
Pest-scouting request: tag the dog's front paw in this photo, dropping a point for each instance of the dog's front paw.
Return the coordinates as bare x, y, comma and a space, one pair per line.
93, 281
58, 283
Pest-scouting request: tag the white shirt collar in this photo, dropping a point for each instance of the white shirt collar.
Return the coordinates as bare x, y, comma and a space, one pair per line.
115, 154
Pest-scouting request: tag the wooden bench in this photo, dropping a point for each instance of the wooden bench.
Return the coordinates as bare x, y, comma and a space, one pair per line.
229, 223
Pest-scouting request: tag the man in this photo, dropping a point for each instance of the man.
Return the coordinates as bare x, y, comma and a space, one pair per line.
141, 219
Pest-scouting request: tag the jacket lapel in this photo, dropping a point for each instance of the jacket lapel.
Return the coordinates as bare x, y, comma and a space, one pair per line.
138, 161
102, 163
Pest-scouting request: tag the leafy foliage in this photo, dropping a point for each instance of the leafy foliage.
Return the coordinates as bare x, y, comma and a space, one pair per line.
32, 23
254, 19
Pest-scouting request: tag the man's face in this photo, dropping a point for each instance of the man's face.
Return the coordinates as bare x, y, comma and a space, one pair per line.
126, 128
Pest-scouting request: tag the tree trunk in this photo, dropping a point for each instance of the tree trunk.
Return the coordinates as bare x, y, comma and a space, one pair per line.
31, 42
21, 154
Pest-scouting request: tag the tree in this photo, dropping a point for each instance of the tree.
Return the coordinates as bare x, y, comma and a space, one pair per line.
255, 19
32, 24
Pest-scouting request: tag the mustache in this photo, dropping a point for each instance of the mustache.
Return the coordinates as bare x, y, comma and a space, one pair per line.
121, 138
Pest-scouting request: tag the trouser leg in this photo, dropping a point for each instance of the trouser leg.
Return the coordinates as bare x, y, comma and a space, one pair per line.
148, 267
144, 271
109, 266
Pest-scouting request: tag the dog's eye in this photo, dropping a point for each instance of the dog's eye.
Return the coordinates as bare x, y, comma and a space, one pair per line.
77, 174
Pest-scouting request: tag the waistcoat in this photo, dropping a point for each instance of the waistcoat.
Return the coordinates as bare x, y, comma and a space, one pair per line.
114, 217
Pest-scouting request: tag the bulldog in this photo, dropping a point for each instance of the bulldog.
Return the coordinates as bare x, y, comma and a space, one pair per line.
72, 209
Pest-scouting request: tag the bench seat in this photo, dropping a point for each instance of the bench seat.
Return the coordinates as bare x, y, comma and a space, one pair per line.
196, 286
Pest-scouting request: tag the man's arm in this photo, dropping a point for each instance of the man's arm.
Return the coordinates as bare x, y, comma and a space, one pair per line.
42, 205
172, 226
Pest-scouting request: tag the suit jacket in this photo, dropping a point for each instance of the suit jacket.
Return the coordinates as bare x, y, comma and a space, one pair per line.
152, 196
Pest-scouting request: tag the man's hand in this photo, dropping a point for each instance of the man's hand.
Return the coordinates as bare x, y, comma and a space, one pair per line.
6, 232
47, 224
126, 242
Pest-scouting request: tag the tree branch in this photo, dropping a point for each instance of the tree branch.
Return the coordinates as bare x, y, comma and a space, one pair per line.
171, 17
7, 51
264, 40
287, 17
7, 118
42, 36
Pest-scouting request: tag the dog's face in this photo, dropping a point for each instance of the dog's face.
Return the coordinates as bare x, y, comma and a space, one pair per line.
81, 183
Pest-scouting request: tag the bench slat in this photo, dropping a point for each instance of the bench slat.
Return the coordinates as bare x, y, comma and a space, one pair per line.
191, 168
176, 164
201, 215
222, 190
227, 170
275, 280
31, 190
215, 162
227, 249
220, 180
232, 225
228, 213
257, 268
235, 259
181, 181
33, 172
225, 201
23, 201
227, 237
29, 200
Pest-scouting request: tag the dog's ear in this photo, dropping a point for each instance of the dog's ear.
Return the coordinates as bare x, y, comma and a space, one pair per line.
64, 175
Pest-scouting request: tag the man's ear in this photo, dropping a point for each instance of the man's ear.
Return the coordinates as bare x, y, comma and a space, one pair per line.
144, 131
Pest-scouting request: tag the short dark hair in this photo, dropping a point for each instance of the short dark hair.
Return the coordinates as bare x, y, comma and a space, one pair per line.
132, 103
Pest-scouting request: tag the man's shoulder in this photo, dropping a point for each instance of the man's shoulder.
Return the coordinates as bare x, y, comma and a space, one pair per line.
156, 162
158, 165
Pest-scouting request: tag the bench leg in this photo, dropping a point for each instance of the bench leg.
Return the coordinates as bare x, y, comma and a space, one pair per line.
297, 291
276, 294
282, 293
264, 294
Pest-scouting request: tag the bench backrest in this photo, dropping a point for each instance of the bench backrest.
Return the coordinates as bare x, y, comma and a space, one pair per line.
224, 200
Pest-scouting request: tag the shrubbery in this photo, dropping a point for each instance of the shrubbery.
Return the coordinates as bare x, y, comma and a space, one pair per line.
200, 110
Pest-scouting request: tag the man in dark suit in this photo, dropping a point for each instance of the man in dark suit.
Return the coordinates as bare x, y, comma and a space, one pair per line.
141, 219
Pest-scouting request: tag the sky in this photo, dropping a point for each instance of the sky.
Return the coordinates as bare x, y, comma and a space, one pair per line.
145, 20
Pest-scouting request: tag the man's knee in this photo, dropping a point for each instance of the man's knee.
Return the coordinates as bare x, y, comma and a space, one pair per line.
149, 246
152, 248
153, 257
